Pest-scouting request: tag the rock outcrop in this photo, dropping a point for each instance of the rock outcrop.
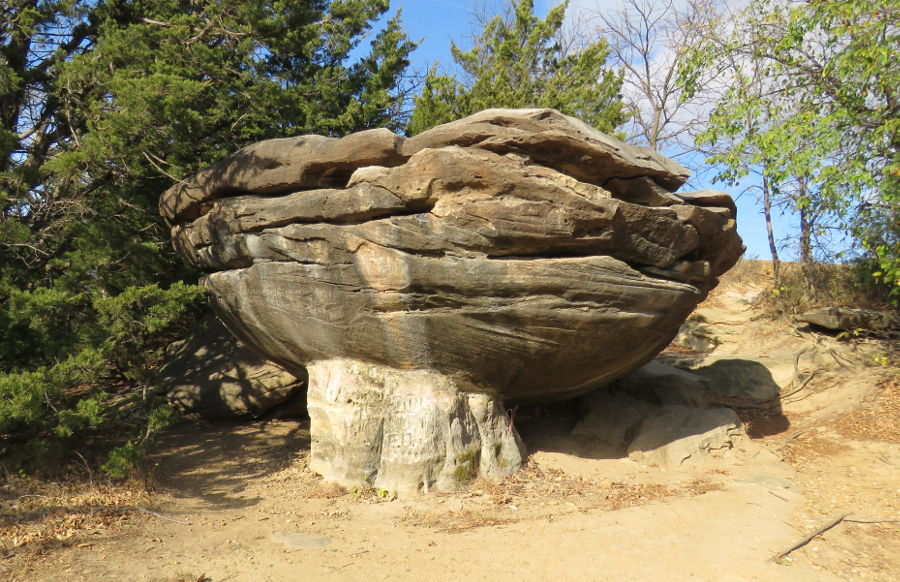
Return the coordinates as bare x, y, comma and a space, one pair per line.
511, 255
676, 435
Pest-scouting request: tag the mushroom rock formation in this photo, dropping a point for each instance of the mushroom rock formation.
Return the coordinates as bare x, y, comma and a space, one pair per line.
514, 255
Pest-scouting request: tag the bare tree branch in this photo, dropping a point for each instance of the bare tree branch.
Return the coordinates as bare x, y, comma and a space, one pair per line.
650, 40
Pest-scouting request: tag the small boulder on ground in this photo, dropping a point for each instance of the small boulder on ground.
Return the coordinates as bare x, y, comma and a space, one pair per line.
675, 435
659, 383
658, 415
736, 378
697, 335
609, 417
846, 319
214, 376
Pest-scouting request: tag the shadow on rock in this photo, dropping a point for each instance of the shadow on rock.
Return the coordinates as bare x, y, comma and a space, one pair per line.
747, 387
212, 375
215, 461
661, 415
738, 380
551, 427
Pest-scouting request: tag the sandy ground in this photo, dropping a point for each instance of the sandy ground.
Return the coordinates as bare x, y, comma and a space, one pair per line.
238, 503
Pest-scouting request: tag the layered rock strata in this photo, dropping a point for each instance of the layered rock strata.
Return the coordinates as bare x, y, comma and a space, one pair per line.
511, 255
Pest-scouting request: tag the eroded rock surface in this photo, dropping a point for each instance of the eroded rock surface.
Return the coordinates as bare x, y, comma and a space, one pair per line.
514, 255
658, 415
405, 430
676, 435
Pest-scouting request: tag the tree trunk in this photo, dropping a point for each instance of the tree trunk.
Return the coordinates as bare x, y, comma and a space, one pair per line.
805, 226
773, 248
805, 246
811, 275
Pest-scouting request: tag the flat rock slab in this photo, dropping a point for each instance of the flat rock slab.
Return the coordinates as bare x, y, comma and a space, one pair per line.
658, 415
676, 435
737, 378
299, 539
846, 319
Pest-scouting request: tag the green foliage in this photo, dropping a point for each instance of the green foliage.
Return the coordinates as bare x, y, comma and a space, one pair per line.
103, 104
122, 460
813, 105
65, 389
521, 62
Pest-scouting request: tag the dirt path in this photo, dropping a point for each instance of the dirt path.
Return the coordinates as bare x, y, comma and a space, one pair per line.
237, 502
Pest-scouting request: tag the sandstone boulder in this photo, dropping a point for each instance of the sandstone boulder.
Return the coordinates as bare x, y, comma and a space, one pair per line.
214, 376
610, 417
658, 415
512, 255
697, 336
744, 380
678, 435
846, 319
658, 383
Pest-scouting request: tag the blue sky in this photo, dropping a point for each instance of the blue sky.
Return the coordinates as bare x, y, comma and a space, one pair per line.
438, 22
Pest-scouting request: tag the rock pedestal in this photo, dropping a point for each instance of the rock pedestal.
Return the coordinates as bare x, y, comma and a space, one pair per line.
514, 255
405, 429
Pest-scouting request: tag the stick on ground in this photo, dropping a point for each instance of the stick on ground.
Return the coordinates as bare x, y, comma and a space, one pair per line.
811, 536
159, 515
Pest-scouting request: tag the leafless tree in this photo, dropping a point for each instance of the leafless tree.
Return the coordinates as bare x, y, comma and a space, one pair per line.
650, 39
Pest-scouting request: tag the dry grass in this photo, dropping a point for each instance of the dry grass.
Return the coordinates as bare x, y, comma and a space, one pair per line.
621, 495
537, 483
747, 272
701, 487
877, 419
804, 287
533, 487
810, 446
183, 577
36, 516
676, 351
531, 482
452, 521
326, 490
